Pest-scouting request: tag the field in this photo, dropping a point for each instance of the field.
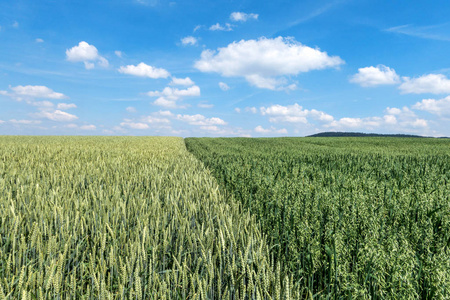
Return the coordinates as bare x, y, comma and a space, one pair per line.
365, 218
289, 218
123, 218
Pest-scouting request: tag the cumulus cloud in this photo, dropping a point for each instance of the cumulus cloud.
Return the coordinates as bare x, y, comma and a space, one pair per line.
431, 83
144, 70
182, 81
38, 40
30, 92
88, 127
65, 106
373, 76
261, 61
395, 119
210, 128
260, 129
134, 125
189, 40
57, 115
218, 27
25, 122
42, 104
154, 119
223, 86
174, 93
242, 17
165, 113
439, 107
131, 109
169, 96
393, 111
88, 54
253, 110
200, 120
238, 110
293, 114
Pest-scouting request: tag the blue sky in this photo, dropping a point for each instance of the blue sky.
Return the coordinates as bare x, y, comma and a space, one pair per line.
224, 68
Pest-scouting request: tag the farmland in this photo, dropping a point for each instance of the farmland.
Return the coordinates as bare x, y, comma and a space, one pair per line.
286, 218
347, 217
124, 218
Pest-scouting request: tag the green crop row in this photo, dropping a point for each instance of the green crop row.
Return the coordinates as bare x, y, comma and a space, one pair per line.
124, 218
364, 218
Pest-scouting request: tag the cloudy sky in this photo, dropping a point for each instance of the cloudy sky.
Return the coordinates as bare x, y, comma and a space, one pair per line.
224, 68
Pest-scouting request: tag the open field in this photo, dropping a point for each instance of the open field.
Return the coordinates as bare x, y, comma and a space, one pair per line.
123, 218
365, 218
287, 218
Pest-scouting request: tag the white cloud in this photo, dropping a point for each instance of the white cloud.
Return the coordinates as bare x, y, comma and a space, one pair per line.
41, 104
439, 107
393, 111
30, 92
1, 121
189, 40
276, 84
56, 115
197, 27
134, 125
205, 105
242, 17
131, 109
165, 113
169, 96
88, 54
294, 114
260, 129
200, 120
88, 127
218, 27
238, 110
395, 120
25, 122
15, 24
373, 76
431, 83
65, 106
253, 110
118, 53
174, 93
210, 128
155, 120
167, 103
261, 61
182, 81
223, 86
38, 40
144, 70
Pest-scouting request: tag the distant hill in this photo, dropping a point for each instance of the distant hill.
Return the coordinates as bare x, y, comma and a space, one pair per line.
360, 134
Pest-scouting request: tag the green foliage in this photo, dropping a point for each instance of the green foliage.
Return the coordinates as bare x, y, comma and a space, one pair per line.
349, 217
123, 218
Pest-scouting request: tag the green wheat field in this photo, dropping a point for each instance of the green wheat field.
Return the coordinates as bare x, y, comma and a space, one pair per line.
224, 218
